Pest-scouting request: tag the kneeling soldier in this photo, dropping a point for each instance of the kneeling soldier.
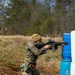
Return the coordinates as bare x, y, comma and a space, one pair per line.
31, 55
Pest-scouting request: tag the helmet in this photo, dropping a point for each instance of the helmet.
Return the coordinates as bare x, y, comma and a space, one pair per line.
36, 37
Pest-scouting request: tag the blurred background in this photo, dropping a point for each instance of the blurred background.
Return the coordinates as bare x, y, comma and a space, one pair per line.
46, 17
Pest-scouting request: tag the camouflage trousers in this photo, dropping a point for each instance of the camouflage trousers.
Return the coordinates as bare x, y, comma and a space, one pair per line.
30, 72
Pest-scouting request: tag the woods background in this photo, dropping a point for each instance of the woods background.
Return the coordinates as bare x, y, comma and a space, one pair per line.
46, 17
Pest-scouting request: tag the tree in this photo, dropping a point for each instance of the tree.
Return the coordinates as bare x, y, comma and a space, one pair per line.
2, 10
66, 19
52, 17
17, 16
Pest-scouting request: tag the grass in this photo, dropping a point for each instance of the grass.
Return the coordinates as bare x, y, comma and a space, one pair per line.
12, 50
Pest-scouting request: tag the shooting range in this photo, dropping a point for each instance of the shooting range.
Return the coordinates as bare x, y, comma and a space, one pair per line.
67, 64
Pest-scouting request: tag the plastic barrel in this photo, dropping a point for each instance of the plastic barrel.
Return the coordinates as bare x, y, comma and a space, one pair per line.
66, 50
65, 67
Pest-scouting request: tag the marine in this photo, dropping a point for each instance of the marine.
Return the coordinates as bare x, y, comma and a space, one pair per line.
31, 56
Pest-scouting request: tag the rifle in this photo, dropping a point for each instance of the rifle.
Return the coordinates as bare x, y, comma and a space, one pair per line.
54, 45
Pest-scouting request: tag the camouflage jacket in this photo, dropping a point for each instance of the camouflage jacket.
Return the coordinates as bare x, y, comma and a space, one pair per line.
32, 53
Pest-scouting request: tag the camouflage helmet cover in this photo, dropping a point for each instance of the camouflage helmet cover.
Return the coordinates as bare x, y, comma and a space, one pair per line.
36, 37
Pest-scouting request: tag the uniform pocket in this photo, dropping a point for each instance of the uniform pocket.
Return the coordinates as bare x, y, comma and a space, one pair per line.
24, 67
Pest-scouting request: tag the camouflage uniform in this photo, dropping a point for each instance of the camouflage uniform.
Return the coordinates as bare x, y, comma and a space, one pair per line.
31, 55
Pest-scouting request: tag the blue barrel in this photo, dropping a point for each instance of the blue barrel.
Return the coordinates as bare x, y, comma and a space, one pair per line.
66, 50
65, 67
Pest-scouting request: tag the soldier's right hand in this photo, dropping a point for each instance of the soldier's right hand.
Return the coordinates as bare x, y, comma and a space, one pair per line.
47, 46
